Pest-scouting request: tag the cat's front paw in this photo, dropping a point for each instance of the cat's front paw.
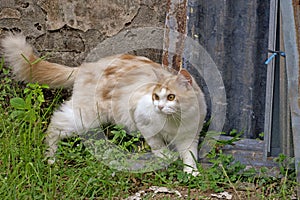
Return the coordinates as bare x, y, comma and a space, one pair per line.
50, 156
190, 170
195, 173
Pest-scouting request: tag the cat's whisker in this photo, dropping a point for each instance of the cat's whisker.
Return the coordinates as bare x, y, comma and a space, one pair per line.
177, 119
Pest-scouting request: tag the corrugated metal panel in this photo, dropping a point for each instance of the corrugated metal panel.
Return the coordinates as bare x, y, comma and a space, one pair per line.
235, 34
291, 29
226, 34
273, 37
286, 139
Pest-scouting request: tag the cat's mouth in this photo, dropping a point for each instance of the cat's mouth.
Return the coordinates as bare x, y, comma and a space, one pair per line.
166, 111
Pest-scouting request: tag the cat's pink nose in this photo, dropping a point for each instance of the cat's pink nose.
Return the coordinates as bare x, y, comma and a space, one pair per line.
160, 107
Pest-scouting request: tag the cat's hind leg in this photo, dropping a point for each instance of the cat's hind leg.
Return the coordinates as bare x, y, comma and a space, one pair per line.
63, 125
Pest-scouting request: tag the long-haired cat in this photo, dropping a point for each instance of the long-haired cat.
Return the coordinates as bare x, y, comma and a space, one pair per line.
134, 91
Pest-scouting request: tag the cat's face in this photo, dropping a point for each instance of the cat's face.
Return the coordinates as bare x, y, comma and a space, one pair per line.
172, 91
165, 101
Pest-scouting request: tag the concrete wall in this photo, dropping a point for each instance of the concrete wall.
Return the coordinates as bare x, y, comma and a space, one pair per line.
69, 30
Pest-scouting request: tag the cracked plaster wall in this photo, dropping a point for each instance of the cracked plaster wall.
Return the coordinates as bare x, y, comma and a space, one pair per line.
70, 29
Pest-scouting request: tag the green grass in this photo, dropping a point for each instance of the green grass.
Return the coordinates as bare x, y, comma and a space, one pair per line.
25, 112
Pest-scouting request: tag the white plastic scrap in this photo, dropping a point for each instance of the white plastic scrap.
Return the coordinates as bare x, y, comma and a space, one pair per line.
222, 195
157, 189
139, 195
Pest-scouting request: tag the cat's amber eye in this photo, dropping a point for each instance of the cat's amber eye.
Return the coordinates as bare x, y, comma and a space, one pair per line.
171, 97
155, 97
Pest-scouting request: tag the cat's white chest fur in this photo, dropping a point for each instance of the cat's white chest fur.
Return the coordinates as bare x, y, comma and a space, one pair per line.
147, 120
150, 122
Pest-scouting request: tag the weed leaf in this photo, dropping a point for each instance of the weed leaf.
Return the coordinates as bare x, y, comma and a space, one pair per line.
18, 103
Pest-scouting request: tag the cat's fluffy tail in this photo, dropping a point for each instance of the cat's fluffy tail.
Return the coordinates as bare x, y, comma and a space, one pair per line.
28, 67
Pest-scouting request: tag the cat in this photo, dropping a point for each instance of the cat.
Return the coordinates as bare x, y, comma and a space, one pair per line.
166, 107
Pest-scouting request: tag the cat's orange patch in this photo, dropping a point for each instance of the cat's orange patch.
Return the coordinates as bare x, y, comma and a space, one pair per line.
139, 59
127, 57
154, 64
158, 88
148, 62
110, 70
107, 92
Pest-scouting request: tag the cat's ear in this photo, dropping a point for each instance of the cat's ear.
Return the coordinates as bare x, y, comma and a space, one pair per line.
184, 77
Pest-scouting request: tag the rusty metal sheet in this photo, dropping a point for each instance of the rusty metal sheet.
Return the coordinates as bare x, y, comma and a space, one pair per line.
175, 33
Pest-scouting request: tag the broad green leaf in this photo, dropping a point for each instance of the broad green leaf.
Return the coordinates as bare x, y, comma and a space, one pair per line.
18, 103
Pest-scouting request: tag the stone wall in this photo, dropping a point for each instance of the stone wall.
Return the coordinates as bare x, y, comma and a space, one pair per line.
69, 30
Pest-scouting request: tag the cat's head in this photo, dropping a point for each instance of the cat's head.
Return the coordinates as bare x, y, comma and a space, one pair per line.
171, 92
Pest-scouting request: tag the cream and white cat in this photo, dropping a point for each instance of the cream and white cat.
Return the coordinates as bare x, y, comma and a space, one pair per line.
130, 90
